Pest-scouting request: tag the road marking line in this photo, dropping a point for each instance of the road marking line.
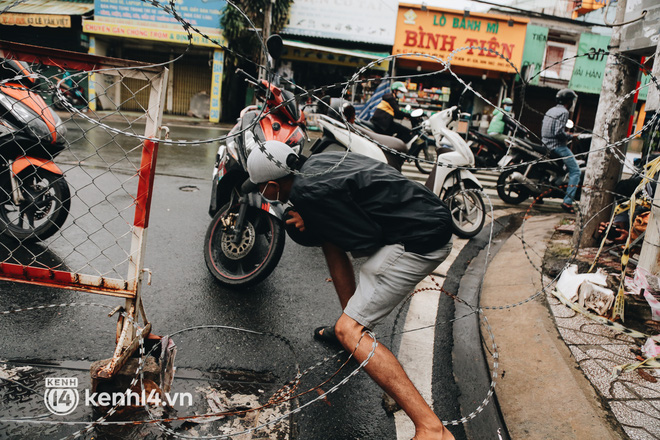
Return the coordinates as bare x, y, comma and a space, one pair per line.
416, 348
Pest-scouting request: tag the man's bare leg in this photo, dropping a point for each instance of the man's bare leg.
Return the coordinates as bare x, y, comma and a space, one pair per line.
388, 373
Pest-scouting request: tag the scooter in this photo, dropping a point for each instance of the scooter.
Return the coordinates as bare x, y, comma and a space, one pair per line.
74, 96
458, 187
487, 150
34, 196
245, 239
528, 174
421, 147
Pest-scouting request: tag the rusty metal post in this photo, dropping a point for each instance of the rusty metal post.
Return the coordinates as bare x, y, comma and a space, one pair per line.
128, 338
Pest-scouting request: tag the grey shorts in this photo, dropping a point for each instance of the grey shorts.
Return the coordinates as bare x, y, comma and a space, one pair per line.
386, 279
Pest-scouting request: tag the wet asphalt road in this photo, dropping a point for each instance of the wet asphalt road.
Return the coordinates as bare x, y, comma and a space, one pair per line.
294, 300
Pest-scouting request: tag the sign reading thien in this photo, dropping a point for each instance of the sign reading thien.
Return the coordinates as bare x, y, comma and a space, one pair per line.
438, 32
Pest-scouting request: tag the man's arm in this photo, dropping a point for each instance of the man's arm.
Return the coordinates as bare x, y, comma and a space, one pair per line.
341, 272
398, 114
559, 127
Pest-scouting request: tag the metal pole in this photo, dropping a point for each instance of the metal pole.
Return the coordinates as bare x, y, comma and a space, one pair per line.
266, 33
649, 258
603, 166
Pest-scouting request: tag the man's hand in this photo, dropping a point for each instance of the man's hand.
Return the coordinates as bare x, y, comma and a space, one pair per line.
296, 220
618, 233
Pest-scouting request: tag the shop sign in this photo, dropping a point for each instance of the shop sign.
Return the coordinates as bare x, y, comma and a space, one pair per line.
590, 64
140, 19
367, 21
146, 33
337, 59
35, 20
439, 32
216, 84
532, 61
584, 6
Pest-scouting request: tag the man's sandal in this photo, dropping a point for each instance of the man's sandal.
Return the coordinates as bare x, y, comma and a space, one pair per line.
568, 208
326, 334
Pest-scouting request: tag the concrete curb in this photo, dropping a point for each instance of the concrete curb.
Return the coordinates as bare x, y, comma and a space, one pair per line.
471, 370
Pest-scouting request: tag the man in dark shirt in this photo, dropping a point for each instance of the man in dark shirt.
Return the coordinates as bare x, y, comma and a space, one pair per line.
355, 204
387, 110
555, 137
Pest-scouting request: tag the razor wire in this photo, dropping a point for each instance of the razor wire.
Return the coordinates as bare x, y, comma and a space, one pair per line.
188, 28
278, 398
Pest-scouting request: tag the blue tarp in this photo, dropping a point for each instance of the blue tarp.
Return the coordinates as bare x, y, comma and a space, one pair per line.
366, 111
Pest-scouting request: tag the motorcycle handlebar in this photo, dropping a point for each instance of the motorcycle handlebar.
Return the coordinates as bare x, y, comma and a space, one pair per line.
249, 78
246, 75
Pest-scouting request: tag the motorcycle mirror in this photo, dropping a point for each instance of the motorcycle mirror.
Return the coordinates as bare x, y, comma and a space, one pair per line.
569, 124
275, 45
417, 113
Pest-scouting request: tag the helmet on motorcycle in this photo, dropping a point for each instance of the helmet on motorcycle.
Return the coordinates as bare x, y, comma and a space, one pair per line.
507, 101
398, 86
566, 96
261, 164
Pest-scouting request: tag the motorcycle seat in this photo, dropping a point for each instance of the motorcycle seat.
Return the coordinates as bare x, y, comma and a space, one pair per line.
389, 141
487, 137
542, 149
367, 124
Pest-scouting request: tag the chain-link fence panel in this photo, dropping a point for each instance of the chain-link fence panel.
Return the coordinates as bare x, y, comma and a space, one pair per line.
75, 186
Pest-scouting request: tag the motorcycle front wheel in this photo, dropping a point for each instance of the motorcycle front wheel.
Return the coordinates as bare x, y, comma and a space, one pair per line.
468, 211
253, 258
428, 157
509, 190
44, 207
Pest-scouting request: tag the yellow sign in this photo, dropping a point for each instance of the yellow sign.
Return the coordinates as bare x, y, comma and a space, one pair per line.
35, 20
439, 32
147, 33
584, 6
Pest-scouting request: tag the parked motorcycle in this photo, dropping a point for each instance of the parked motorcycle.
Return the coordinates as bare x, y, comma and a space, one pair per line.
528, 174
459, 188
421, 148
488, 150
34, 195
74, 95
245, 239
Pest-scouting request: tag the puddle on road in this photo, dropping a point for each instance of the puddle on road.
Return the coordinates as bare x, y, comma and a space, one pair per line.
23, 390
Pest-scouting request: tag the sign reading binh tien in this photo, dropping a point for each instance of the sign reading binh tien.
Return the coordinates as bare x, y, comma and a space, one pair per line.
438, 32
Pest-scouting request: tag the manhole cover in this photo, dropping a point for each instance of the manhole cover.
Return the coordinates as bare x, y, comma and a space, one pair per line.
188, 188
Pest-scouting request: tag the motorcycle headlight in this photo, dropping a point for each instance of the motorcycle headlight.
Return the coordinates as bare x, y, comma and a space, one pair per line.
23, 113
220, 158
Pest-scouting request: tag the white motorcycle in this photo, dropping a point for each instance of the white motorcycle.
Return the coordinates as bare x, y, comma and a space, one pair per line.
459, 188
